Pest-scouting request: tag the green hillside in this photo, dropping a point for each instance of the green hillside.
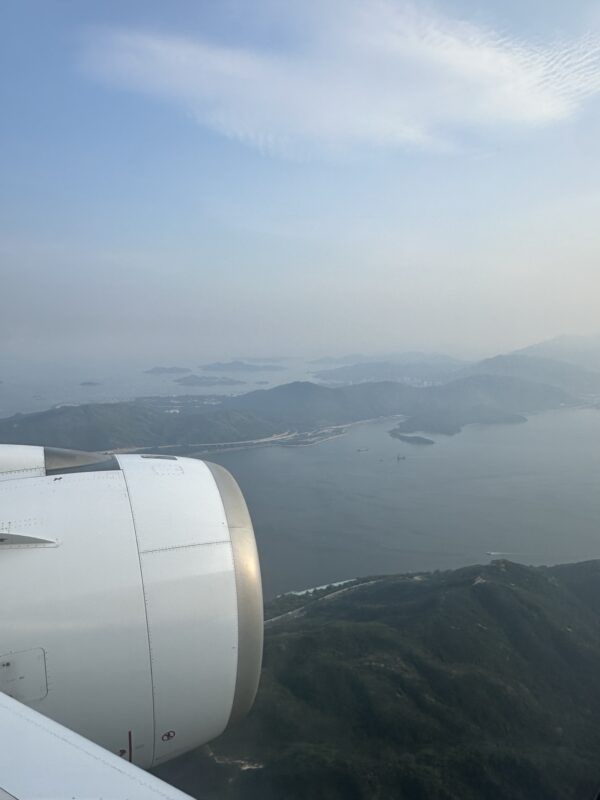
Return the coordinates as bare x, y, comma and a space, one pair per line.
136, 424
478, 683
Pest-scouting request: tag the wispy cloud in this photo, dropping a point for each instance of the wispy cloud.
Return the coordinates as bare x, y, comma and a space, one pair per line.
377, 73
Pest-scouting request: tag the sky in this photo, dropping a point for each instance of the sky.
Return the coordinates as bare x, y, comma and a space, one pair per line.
204, 179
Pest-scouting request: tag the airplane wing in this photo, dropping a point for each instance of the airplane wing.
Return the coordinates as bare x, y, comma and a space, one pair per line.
42, 760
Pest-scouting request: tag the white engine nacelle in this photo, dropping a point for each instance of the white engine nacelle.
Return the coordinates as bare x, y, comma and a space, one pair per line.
130, 597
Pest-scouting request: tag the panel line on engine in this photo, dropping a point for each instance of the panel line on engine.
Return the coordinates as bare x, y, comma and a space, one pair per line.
146, 615
182, 546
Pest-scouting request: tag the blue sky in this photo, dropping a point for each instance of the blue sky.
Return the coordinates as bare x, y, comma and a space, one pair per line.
202, 178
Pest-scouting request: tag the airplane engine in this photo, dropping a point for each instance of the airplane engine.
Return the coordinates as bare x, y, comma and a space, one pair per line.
130, 597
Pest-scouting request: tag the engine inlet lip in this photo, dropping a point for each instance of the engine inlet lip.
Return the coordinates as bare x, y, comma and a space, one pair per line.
248, 589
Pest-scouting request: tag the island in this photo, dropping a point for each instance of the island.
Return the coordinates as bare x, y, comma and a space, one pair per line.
297, 413
420, 440
240, 366
89, 383
204, 380
167, 371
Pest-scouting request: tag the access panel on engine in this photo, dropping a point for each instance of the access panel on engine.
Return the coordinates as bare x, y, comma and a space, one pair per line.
23, 675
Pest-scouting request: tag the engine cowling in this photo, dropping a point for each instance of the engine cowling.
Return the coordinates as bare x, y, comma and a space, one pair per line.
130, 597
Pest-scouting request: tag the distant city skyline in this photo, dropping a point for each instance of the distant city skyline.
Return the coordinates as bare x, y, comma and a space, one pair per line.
208, 180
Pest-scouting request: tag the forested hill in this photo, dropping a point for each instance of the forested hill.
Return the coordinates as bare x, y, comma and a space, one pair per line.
436, 409
295, 406
478, 683
135, 424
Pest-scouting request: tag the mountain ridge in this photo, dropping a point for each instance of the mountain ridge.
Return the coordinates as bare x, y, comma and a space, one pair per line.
584, 351
300, 406
549, 371
458, 685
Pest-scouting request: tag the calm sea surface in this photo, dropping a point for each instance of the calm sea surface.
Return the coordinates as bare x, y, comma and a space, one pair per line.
347, 507
43, 388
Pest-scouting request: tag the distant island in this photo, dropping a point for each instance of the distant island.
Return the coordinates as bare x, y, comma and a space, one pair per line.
267, 359
89, 383
241, 366
204, 380
420, 440
461, 685
331, 360
167, 371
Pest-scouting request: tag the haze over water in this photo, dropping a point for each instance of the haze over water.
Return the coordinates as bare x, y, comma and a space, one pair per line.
25, 390
328, 512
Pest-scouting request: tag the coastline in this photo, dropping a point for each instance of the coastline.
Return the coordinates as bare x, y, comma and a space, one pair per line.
286, 439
